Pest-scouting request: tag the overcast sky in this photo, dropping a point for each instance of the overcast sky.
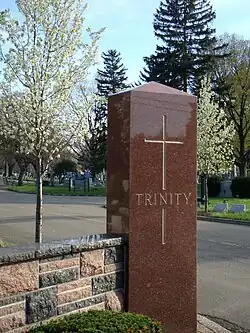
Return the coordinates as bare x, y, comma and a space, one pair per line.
129, 25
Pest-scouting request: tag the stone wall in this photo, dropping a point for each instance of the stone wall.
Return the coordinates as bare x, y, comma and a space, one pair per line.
53, 280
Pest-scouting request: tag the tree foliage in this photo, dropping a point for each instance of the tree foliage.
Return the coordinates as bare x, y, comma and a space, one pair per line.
64, 166
45, 70
215, 134
185, 52
232, 84
159, 69
43, 73
111, 79
91, 152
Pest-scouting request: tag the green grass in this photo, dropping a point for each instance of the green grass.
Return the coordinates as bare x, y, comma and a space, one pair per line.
236, 216
58, 190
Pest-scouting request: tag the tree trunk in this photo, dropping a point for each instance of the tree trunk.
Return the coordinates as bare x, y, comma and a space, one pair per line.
6, 171
206, 193
242, 169
39, 201
23, 162
11, 167
20, 177
52, 178
242, 157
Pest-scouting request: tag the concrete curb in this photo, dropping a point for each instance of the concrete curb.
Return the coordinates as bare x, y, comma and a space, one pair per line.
221, 220
205, 325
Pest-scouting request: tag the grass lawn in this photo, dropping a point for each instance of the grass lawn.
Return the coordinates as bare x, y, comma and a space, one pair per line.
58, 190
236, 216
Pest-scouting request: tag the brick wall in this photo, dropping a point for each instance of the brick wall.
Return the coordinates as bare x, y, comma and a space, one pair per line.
37, 284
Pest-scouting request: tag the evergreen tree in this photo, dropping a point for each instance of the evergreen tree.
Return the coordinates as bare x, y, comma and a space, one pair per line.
160, 68
186, 51
113, 77
109, 81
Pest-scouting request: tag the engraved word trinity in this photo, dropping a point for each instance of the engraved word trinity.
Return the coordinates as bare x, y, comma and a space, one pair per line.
163, 199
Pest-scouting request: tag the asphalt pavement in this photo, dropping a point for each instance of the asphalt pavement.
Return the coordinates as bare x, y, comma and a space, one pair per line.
223, 249
224, 272
64, 217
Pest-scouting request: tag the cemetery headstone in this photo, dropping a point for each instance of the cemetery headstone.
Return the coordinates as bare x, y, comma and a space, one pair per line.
238, 208
152, 199
221, 207
80, 182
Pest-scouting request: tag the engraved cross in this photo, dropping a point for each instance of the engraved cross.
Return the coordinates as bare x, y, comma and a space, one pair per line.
164, 143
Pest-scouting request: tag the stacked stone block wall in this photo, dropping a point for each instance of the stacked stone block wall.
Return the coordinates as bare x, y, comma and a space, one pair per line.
37, 285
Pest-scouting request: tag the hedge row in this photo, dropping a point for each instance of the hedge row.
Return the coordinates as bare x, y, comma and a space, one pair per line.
213, 184
101, 322
241, 187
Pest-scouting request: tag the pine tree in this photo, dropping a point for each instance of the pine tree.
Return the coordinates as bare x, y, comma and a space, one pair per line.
160, 68
187, 40
109, 81
113, 77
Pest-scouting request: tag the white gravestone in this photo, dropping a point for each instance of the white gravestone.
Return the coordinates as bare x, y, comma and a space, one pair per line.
238, 208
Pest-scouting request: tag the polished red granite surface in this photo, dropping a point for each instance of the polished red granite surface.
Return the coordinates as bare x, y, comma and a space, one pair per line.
152, 197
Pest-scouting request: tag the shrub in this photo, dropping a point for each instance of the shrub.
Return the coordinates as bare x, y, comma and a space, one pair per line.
101, 322
241, 187
213, 184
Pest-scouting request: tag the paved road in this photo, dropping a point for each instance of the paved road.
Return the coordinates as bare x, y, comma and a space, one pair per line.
223, 250
224, 272
64, 217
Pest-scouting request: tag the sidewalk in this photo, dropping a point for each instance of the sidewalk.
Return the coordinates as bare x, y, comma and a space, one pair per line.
205, 325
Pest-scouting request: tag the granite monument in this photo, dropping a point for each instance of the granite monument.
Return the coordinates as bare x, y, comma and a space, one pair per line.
152, 199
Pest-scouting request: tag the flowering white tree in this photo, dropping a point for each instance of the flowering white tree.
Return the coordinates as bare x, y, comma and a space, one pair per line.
215, 136
46, 65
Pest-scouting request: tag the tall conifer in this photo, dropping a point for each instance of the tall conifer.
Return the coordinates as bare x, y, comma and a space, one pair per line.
187, 41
